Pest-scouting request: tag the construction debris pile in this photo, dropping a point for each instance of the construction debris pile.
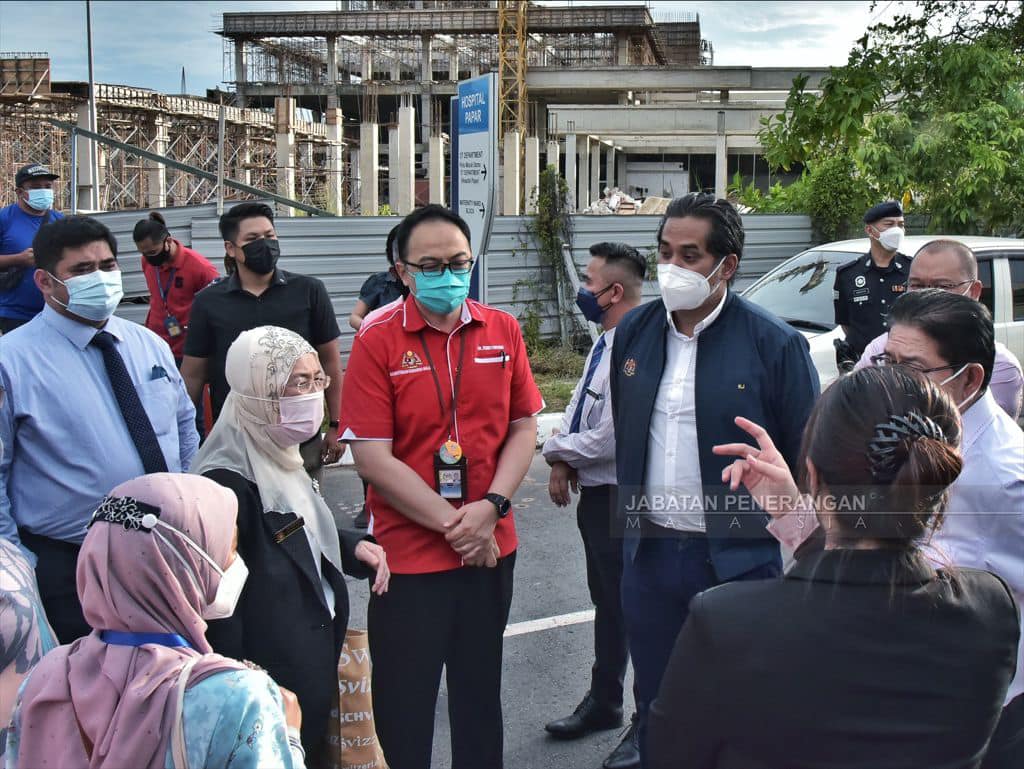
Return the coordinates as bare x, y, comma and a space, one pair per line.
617, 202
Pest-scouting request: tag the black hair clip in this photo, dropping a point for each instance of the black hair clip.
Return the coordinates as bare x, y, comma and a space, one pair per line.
883, 450
127, 511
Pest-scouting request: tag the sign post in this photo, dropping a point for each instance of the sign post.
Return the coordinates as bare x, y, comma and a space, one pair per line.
477, 168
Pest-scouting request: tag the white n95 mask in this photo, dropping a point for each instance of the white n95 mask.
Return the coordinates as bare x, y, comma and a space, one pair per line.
683, 289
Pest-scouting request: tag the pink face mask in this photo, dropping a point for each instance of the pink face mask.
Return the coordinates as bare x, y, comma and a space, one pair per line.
301, 418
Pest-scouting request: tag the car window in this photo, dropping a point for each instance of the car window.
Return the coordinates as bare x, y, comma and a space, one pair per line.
1017, 283
985, 276
800, 290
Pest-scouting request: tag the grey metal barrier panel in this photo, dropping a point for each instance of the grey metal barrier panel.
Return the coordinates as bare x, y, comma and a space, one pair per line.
179, 224
344, 251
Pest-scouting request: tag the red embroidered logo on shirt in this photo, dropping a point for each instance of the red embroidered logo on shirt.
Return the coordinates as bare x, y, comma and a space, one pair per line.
411, 360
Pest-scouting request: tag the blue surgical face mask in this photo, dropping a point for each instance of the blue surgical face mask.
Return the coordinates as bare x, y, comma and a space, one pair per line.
40, 200
586, 300
442, 293
94, 296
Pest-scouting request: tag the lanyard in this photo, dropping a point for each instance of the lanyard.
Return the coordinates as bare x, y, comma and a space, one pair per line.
122, 638
437, 382
164, 290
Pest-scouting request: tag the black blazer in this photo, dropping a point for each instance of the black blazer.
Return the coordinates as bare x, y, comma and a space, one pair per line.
282, 622
856, 659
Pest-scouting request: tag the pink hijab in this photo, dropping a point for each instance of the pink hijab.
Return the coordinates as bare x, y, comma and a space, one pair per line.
121, 699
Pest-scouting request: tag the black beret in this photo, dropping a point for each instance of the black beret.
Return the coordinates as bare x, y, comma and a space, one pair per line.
882, 211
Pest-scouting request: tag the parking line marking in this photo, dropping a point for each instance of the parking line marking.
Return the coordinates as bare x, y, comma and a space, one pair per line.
547, 623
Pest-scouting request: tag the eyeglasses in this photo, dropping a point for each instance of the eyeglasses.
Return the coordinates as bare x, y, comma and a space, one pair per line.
436, 267
886, 360
314, 385
915, 286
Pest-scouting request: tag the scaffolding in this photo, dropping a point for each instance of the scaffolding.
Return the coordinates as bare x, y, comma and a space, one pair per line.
180, 128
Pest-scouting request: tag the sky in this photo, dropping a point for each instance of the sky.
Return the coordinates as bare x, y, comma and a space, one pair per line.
146, 44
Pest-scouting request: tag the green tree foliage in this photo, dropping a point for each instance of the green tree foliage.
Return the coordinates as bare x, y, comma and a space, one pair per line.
929, 108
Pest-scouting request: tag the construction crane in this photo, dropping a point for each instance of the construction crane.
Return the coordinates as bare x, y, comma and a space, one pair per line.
512, 42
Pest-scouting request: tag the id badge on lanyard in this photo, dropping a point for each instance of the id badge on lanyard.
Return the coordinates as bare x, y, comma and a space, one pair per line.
450, 466
171, 323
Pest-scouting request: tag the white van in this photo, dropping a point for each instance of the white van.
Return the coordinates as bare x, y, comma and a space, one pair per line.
800, 291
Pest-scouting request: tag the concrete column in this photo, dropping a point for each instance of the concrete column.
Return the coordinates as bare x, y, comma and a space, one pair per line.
367, 71
332, 60
609, 166
721, 158
510, 168
583, 173
241, 73
595, 173
86, 159
284, 128
532, 172
436, 170
396, 70
156, 173
243, 158
354, 187
369, 203
406, 159
570, 170
393, 168
426, 65
552, 156
453, 60
622, 50
335, 161
474, 70
621, 177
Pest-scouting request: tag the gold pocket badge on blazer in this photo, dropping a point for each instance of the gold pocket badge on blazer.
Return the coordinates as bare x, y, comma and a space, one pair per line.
629, 367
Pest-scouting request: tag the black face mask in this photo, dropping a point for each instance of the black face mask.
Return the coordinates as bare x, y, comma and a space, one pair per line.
261, 255
160, 258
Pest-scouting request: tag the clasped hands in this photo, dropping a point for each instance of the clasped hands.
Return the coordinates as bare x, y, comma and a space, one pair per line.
471, 534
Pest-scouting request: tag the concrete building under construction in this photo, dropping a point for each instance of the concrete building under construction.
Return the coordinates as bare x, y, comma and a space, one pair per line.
630, 101
348, 110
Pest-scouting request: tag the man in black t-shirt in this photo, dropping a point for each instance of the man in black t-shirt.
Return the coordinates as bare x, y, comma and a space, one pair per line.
260, 294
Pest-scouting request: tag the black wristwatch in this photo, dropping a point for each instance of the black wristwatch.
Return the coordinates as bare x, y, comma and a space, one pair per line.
503, 505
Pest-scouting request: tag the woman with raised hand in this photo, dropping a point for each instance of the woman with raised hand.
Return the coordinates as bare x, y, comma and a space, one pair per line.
293, 613
863, 655
144, 689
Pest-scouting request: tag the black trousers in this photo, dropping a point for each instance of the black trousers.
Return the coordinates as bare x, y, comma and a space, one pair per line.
1006, 749
451, 619
55, 574
595, 514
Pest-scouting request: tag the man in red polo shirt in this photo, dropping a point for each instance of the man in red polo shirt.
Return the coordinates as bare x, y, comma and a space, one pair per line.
440, 406
174, 274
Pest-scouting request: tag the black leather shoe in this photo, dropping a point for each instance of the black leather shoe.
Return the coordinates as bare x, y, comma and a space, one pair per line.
627, 754
589, 716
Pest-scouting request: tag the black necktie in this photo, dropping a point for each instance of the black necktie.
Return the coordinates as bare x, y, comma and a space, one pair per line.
139, 426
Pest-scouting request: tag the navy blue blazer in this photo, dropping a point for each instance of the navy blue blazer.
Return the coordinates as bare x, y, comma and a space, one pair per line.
750, 364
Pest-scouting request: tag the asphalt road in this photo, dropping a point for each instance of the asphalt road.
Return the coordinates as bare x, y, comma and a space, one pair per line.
546, 672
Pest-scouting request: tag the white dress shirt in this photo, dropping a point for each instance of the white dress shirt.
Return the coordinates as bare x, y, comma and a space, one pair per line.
984, 523
591, 451
673, 484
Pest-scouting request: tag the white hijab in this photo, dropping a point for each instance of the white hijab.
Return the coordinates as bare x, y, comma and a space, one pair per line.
258, 365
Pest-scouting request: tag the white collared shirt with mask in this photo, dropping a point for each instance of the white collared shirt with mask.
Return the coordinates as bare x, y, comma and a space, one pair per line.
673, 483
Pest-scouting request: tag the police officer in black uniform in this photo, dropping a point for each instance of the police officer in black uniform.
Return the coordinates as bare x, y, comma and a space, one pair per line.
865, 288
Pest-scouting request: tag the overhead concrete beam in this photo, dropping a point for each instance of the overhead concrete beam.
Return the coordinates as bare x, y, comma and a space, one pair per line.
657, 119
540, 80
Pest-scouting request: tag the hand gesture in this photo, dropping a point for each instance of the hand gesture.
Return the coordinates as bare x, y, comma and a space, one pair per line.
471, 531
563, 477
373, 555
762, 470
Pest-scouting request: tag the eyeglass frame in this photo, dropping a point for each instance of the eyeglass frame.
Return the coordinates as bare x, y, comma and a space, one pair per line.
876, 358
950, 287
439, 270
304, 387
